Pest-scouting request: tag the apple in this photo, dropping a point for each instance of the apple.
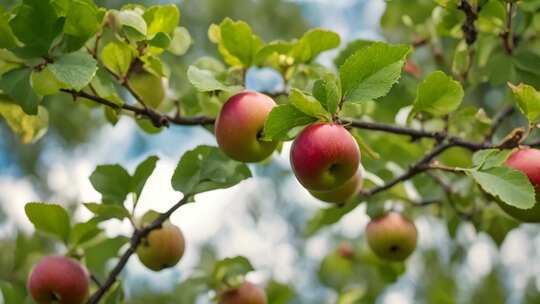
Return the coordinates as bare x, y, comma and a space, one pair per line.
526, 160
162, 248
149, 87
346, 251
247, 293
392, 236
58, 279
324, 156
341, 194
240, 124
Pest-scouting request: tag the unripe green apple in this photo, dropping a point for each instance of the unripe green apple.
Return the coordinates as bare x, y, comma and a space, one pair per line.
324, 156
247, 293
162, 248
527, 161
240, 124
392, 236
149, 87
343, 193
58, 279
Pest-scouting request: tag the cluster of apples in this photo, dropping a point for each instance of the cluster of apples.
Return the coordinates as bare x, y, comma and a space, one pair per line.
325, 156
325, 159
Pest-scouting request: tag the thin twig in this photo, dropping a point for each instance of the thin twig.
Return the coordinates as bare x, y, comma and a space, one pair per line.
96, 281
136, 239
508, 36
414, 170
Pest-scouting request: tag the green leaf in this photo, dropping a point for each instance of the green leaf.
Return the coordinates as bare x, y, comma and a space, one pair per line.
83, 20
279, 293
36, 24
181, 41
350, 49
327, 216
160, 40
438, 95
117, 56
98, 254
510, 186
45, 83
11, 294
113, 182
237, 43
105, 212
492, 17
204, 80
229, 269
103, 85
29, 128
282, 119
528, 100
370, 72
307, 104
313, 43
487, 159
328, 92
206, 168
7, 38
84, 232
49, 218
142, 173
133, 24
16, 84
75, 69
161, 18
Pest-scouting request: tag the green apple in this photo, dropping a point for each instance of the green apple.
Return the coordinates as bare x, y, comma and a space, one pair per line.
392, 236
162, 248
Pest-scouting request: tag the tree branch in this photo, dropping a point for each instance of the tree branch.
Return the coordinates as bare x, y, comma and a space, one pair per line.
417, 168
468, 27
136, 239
417, 134
158, 119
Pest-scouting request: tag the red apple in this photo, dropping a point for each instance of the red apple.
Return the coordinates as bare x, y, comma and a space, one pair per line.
58, 279
162, 248
247, 293
343, 193
392, 236
346, 251
239, 127
324, 156
527, 161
